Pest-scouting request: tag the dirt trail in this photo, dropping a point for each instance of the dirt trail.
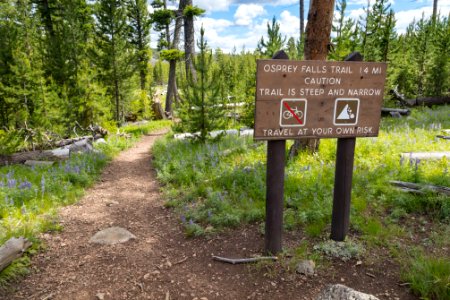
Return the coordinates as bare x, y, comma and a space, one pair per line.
161, 263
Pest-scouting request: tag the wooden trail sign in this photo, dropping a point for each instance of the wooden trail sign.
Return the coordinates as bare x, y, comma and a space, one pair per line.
324, 99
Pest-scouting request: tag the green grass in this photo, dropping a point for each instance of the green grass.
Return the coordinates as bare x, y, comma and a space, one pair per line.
30, 196
429, 277
222, 184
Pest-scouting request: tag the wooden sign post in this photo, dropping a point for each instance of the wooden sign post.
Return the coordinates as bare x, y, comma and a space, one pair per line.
315, 99
345, 153
276, 157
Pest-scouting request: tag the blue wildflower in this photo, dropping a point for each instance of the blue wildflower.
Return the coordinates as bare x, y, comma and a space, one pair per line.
12, 183
43, 184
25, 185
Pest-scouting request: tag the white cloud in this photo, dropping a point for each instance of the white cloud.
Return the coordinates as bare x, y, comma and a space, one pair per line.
213, 24
246, 13
365, 2
289, 24
210, 6
356, 13
267, 2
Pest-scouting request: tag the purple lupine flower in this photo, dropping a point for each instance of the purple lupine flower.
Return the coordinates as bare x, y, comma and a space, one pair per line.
12, 183
43, 184
10, 174
209, 214
76, 169
183, 219
191, 222
25, 185
67, 168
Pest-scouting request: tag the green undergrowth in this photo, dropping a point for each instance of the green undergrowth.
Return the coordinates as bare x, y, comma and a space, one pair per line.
222, 184
30, 196
428, 276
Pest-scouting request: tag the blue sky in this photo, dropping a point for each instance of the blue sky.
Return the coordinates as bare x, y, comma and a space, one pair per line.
239, 23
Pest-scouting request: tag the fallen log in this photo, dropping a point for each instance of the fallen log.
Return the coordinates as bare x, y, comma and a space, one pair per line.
425, 155
66, 142
235, 261
21, 157
445, 137
80, 146
420, 101
418, 188
395, 112
12, 249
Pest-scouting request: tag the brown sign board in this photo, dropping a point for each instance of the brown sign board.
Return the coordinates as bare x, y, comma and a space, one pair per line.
323, 99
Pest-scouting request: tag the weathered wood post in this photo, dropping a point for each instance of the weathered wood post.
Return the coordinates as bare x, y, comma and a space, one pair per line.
276, 158
343, 180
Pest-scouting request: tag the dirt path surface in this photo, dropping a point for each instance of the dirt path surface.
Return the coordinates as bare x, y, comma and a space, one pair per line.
161, 263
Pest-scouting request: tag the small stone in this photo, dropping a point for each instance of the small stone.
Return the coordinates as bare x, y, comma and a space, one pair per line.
100, 296
306, 267
100, 141
339, 291
146, 276
358, 263
111, 236
111, 203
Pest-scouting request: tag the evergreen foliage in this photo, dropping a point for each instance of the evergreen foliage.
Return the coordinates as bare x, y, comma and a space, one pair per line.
202, 110
275, 41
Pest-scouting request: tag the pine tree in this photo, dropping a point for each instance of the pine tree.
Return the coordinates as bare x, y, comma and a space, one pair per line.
112, 51
437, 81
275, 41
380, 24
202, 110
139, 35
344, 40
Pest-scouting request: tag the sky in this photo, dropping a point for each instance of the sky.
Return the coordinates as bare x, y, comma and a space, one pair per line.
235, 24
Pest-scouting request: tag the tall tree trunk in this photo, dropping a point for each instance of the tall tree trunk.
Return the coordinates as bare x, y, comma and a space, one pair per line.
302, 19
141, 47
172, 92
318, 31
171, 87
435, 5
189, 44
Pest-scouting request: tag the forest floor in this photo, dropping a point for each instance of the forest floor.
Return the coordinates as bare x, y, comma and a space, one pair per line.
162, 263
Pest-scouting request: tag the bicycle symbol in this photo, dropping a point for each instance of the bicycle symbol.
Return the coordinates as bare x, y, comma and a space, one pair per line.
293, 112
287, 114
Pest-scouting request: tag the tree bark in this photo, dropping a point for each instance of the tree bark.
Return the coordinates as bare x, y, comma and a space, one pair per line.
172, 92
12, 249
189, 44
318, 30
435, 5
302, 19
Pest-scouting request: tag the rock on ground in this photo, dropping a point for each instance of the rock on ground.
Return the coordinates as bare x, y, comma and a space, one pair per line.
342, 292
306, 267
111, 236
